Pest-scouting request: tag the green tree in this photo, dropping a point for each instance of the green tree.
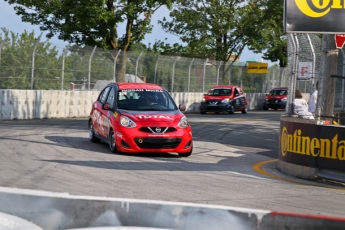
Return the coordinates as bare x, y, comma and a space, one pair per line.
265, 31
211, 28
92, 22
17, 61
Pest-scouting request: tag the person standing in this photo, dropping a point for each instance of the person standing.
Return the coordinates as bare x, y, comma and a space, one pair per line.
313, 99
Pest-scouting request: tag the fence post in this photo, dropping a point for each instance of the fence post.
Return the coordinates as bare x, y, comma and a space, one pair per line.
63, 66
220, 63
114, 77
189, 70
89, 74
313, 64
203, 76
155, 77
136, 67
33, 62
173, 75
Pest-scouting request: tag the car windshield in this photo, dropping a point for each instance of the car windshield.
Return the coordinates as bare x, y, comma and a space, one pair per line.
145, 100
279, 92
219, 92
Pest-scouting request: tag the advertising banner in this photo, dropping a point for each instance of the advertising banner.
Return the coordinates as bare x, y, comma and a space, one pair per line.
307, 16
257, 67
311, 145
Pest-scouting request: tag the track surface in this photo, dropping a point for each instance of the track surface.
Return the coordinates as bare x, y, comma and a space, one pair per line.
56, 155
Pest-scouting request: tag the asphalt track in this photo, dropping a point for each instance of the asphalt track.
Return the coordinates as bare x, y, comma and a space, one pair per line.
233, 164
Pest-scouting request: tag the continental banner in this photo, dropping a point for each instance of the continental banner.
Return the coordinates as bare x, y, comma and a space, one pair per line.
310, 16
257, 67
311, 145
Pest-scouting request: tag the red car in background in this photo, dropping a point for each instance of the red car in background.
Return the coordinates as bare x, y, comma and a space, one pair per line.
276, 98
139, 118
224, 98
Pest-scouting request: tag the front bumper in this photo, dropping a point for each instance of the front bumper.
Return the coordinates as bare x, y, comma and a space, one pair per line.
276, 104
136, 141
209, 106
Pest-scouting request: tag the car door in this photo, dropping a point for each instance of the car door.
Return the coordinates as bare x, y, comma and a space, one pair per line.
107, 111
238, 100
98, 112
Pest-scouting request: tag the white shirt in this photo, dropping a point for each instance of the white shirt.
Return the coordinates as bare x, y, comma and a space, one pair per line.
301, 108
312, 102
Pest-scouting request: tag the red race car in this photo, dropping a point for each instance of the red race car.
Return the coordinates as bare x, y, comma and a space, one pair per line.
224, 98
140, 118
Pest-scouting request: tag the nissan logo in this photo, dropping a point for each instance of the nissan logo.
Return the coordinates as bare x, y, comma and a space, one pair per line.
158, 130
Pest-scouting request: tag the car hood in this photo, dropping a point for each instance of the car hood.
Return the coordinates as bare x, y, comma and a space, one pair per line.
276, 97
219, 98
154, 116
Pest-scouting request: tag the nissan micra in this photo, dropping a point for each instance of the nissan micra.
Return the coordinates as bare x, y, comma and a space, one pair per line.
139, 118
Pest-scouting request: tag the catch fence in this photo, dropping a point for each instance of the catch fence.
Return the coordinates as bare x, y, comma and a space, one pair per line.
47, 67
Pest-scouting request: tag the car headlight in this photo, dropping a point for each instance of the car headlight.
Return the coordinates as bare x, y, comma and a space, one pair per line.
226, 100
202, 100
127, 122
284, 99
183, 123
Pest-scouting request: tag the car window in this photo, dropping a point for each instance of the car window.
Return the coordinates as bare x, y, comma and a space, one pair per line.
111, 98
279, 92
219, 92
142, 99
103, 96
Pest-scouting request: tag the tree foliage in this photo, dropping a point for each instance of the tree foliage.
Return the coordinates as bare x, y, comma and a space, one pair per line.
103, 23
18, 56
265, 31
210, 28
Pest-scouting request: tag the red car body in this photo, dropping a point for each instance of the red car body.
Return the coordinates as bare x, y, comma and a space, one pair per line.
224, 98
139, 118
276, 98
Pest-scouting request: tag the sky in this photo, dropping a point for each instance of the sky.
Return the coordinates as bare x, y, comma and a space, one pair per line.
12, 22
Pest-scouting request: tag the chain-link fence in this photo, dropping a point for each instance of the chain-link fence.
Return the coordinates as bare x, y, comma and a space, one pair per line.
304, 60
47, 67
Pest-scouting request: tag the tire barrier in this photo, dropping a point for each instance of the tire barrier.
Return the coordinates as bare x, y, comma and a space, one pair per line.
48, 210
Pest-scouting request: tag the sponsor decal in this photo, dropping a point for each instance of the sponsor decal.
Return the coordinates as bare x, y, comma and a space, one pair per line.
317, 9
297, 143
155, 117
115, 114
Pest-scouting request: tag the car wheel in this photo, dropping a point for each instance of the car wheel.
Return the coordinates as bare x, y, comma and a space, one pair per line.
186, 154
231, 111
112, 143
92, 136
244, 111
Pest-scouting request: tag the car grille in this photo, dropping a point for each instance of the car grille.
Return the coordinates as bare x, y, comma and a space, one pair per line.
157, 129
213, 102
157, 143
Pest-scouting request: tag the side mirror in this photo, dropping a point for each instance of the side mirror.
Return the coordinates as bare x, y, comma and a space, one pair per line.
205, 94
182, 107
266, 94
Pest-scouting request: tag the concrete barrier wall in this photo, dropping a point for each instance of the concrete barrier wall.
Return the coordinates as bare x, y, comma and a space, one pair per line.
50, 211
39, 104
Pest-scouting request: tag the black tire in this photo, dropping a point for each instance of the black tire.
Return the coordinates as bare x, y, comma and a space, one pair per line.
202, 112
92, 136
112, 143
244, 111
186, 154
231, 111
265, 107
